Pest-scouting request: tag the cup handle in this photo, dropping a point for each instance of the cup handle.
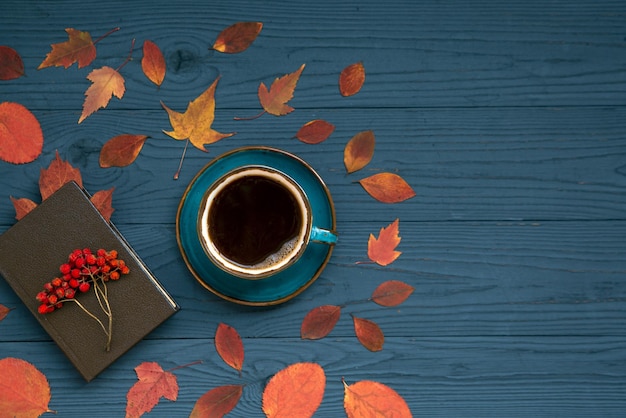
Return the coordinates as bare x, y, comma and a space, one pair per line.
323, 236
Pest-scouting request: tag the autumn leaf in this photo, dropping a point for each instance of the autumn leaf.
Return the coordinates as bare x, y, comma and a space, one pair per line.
217, 402
24, 390
153, 62
56, 175
107, 82
22, 206
195, 123
319, 322
229, 346
359, 151
11, 64
368, 333
381, 250
4, 311
121, 150
351, 79
369, 399
392, 293
315, 131
237, 37
21, 138
78, 48
103, 201
152, 384
295, 391
387, 188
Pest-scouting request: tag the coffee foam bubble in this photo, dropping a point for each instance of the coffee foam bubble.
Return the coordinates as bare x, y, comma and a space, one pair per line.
279, 256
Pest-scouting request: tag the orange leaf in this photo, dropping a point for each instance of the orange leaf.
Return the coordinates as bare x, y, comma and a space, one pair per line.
24, 390
153, 62
121, 150
4, 311
195, 123
22, 206
237, 37
387, 188
11, 64
153, 384
359, 151
368, 399
229, 346
392, 293
281, 91
79, 47
368, 333
381, 250
103, 200
351, 79
319, 322
21, 138
295, 391
315, 131
107, 82
217, 402
56, 175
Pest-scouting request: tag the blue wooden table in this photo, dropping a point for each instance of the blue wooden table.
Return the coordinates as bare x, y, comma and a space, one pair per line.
508, 119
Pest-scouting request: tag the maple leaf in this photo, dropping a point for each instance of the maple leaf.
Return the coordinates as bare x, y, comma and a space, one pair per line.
22, 206
107, 82
4, 311
381, 250
195, 123
56, 175
21, 138
24, 390
11, 64
229, 346
392, 293
152, 384
351, 79
373, 399
319, 322
217, 402
295, 391
387, 188
153, 62
121, 150
368, 333
315, 131
274, 100
359, 151
79, 47
103, 200
237, 37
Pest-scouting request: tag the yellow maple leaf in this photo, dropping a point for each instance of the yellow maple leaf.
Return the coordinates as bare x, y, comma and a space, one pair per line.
107, 82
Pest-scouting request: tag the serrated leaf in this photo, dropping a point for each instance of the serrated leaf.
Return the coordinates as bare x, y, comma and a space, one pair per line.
295, 391
229, 346
315, 131
373, 399
24, 390
11, 64
382, 250
274, 101
392, 293
351, 79
153, 62
56, 175
121, 150
387, 188
22, 206
103, 201
237, 37
217, 402
107, 83
368, 333
153, 383
78, 48
21, 138
319, 322
359, 151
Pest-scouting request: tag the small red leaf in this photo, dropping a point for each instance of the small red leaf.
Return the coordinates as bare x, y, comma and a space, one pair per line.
368, 333
359, 151
387, 188
229, 346
381, 250
24, 390
56, 175
4, 311
21, 138
295, 391
237, 37
153, 62
319, 322
152, 384
11, 64
351, 79
22, 206
372, 399
392, 293
315, 131
217, 402
103, 201
121, 150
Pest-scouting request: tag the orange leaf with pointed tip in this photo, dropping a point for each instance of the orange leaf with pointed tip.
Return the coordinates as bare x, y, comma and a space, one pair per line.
195, 123
387, 188
152, 384
121, 150
56, 175
11, 64
3, 312
351, 79
153, 62
392, 293
217, 402
315, 131
237, 37
369, 399
21, 138
24, 390
368, 333
295, 391
22, 206
107, 83
319, 322
79, 47
274, 100
381, 250
359, 151
103, 201
229, 346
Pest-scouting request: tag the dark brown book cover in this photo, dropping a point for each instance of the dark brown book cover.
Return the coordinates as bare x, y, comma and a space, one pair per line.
31, 252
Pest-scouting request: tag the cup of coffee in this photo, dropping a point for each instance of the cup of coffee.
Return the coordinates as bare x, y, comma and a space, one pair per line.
256, 221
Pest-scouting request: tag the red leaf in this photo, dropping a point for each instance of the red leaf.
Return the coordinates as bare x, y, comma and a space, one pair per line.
381, 250
372, 399
22, 206
319, 322
315, 131
229, 346
24, 390
368, 333
121, 150
237, 37
21, 138
392, 293
359, 151
11, 64
4, 311
295, 391
107, 83
217, 402
56, 175
387, 187
153, 62
103, 201
351, 79
79, 47
274, 100
153, 384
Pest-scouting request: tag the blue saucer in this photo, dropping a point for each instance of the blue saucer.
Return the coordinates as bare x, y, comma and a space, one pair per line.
283, 285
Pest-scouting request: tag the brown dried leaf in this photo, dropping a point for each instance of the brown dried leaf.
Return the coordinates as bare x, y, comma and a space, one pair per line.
315, 131
229, 346
392, 293
56, 175
153, 62
21, 138
24, 390
107, 83
217, 402
79, 47
387, 188
368, 333
351, 79
103, 201
295, 391
237, 37
381, 250
368, 399
152, 384
11, 64
359, 151
274, 100
121, 150
319, 322
22, 206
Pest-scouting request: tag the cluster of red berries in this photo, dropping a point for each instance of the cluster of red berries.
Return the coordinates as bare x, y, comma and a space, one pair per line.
82, 270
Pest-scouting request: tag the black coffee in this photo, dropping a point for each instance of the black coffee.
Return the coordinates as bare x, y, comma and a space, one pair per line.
254, 218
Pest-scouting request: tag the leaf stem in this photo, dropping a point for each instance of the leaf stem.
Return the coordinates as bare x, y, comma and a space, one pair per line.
182, 157
129, 57
252, 117
106, 34
185, 365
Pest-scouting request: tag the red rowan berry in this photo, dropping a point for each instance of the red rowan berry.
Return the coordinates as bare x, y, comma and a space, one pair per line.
48, 287
90, 259
73, 283
106, 269
75, 273
70, 293
43, 309
59, 292
65, 268
101, 261
84, 287
101, 252
86, 251
56, 282
125, 270
114, 275
80, 261
42, 297
52, 299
